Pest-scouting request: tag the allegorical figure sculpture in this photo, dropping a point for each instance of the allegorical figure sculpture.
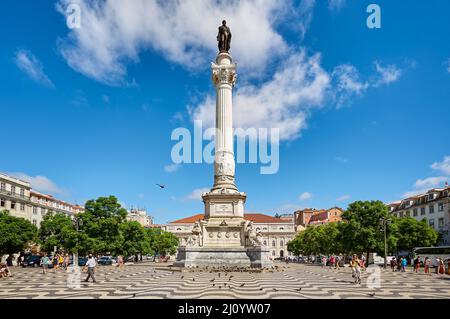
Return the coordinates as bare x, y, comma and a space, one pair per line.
224, 37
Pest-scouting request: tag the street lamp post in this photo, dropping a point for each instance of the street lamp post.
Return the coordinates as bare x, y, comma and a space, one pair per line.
78, 223
384, 223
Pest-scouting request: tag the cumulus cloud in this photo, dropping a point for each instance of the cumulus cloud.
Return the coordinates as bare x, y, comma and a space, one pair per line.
172, 168
196, 194
40, 183
113, 32
387, 74
423, 185
443, 166
336, 4
305, 196
343, 198
31, 66
282, 102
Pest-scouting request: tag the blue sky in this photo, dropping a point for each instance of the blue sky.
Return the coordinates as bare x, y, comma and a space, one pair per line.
363, 113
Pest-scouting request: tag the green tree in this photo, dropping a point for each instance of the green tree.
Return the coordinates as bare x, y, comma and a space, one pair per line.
57, 229
411, 233
162, 242
362, 230
15, 233
135, 239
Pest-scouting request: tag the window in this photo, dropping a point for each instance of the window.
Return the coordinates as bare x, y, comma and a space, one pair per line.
422, 210
273, 243
415, 213
431, 209
13, 205
430, 197
22, 206
34, 222
2, 187
441, 223
281, 243
22, 192
42, 211
401, 214
408, 213
273, 252
441, 207
431, 222
13, 189
34, 210
2, 202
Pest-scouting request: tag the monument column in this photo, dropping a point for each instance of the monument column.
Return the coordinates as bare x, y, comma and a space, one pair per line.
224, 79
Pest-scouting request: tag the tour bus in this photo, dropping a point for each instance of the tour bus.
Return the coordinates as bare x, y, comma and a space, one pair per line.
432, 253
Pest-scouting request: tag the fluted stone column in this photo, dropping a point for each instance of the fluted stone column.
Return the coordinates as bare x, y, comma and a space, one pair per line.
224, 79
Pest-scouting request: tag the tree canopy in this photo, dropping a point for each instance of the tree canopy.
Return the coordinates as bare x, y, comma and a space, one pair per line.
15, 233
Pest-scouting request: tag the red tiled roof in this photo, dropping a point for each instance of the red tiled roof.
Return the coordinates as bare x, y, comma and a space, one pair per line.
256, 218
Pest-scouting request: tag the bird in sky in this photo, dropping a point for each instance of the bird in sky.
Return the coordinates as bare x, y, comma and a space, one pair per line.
161, 186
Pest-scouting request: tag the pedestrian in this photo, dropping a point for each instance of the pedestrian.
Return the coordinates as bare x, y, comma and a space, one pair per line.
448, 266
363, 262
404, 263
332, 261
4, 270
393, 264
417, 264
66, 262
324, 261
441, 267
45, 261
427, 264
55, 262
355, 264
9, 260
338, 260
90, 265
61, 261
399, 264
19, 260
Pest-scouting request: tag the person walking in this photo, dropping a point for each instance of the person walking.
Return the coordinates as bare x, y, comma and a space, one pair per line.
427, 264
45, 261
19, 260
90, 265
404, 263
393, 264
356, 269
441, 267
332, 261
338, 260
417, 264
363, 262
324, 261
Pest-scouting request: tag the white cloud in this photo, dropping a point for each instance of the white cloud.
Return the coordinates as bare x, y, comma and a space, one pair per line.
423, 185
305, 196
172, 168
347, 83
30, 65
282, 102
343, 198
196, 194
336, 4
443, 166
447, 65
341, 159
114, 32
387, 74
40, 183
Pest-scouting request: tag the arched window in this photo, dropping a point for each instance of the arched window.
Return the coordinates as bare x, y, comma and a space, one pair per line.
273, 243
178, 228
281, 243
273, 252
281, 228
258, 229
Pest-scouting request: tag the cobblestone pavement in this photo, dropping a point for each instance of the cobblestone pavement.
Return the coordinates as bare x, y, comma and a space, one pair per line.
287, 281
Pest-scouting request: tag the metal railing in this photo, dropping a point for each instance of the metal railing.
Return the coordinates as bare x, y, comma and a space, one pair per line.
15, 195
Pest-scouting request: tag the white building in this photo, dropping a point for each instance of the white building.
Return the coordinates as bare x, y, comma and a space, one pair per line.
20, 200
140, 216
276, 232
434, 205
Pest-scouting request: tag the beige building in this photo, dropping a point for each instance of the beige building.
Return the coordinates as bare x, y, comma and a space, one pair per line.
15, 196
311, 216
140, 216
276, 232
20, 200
434, 206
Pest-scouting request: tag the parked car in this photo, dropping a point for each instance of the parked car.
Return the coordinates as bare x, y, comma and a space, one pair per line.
82, 261
105, 260
32, 261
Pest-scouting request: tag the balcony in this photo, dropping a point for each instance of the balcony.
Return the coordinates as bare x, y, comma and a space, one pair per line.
14, 195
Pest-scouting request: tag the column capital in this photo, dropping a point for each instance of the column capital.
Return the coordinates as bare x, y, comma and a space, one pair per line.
224, 74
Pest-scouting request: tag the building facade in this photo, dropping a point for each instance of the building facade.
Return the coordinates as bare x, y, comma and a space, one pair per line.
20, 200
276, 232
140, 216
311, 216
434, 206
